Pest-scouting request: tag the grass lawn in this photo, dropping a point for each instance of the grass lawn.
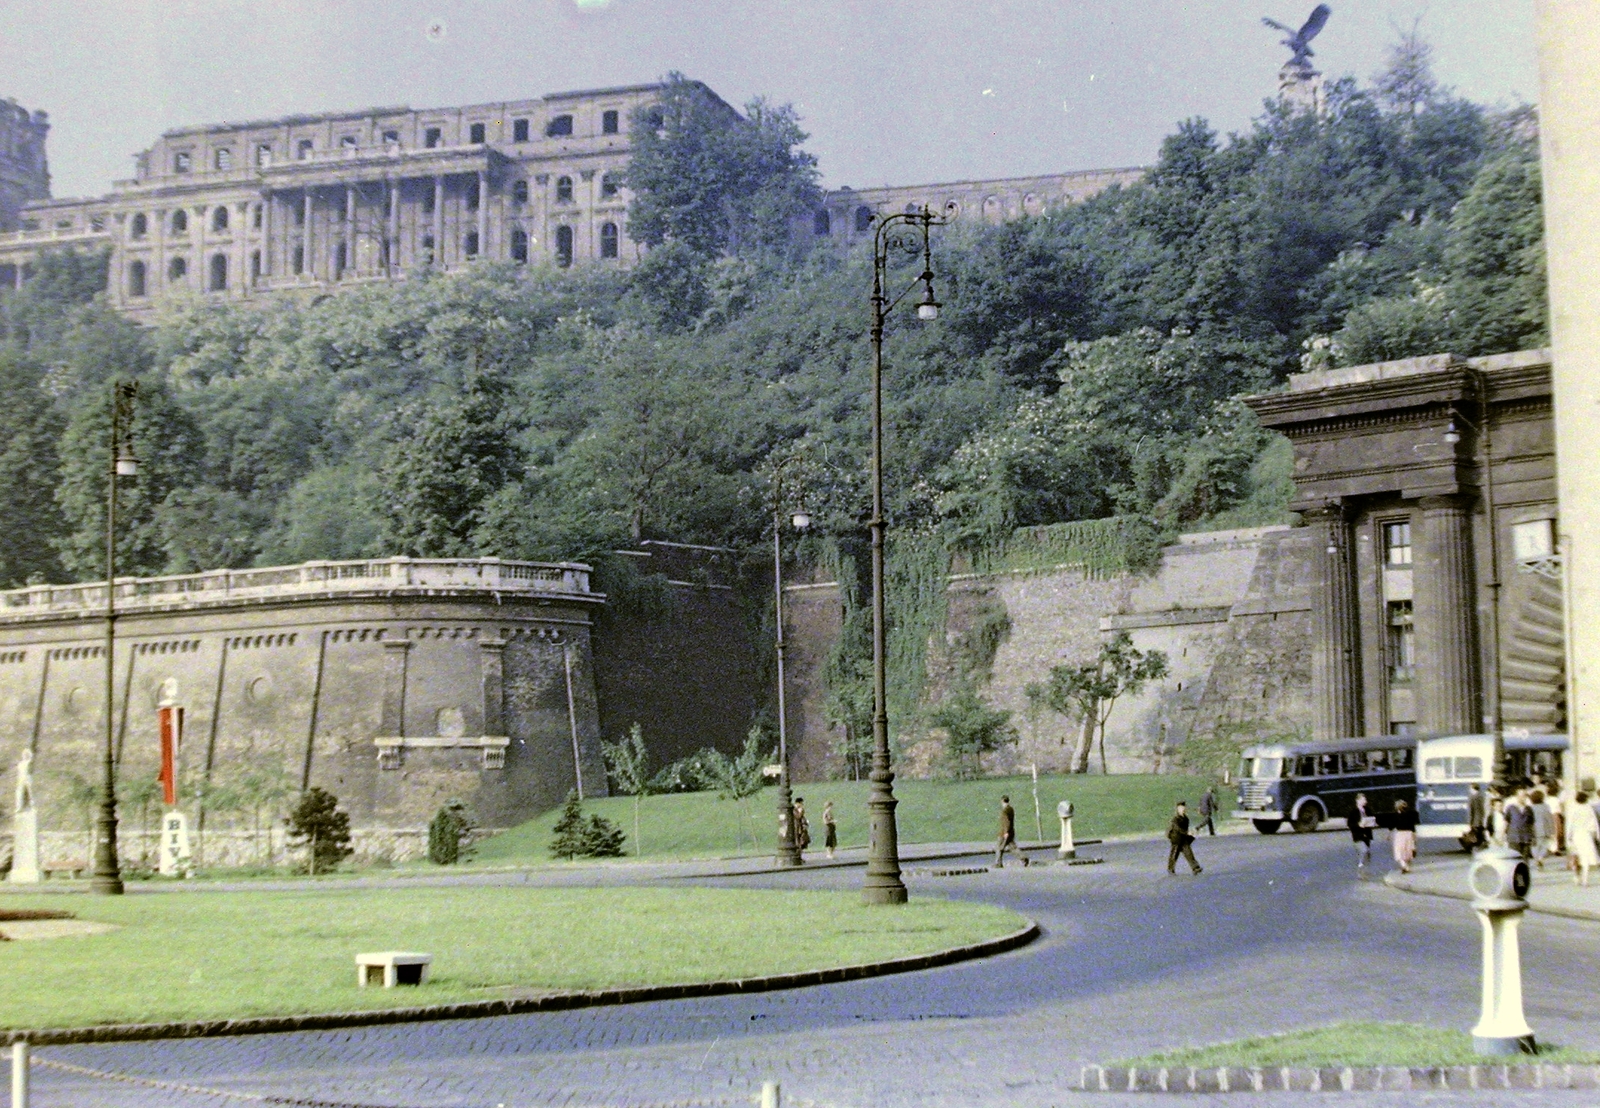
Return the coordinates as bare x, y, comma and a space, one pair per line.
205, 954
1351, 1044
689, 825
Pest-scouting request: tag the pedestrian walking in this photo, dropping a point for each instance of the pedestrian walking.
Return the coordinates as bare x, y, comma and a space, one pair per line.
1582, 831
1519, 824
802, 828
1207, 812
1008, 835
1558, 815
1403, 834
1179, 839
1361, 823
1497, 821
830, 829
1477, 817
1543, 826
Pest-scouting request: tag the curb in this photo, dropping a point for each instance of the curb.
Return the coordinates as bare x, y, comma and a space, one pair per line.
1400, 883
1333, 1079
482, 1009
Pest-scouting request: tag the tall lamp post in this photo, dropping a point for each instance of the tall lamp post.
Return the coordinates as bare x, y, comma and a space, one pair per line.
107, 878
899, 234
788, 848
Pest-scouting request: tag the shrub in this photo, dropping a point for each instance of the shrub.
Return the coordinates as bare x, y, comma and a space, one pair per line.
317, 824
577, 837
448, 834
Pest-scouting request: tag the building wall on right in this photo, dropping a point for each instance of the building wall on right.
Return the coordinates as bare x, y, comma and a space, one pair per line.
1429, 488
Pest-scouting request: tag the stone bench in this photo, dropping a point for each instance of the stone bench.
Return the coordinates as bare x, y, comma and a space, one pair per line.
392, 967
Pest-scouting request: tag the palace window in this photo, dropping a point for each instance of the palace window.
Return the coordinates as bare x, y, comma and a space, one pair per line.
264, 154
177, 269
519, 192
303, 148
222, 159
180, 222
219, 272
432, 137
519, 245
299, 264
560, 125
477, 134
427, 202
563, 190
255, 217
255, 267
863, 219
136, 279
140, 226
347, 145
608, 240
519, 130
563, 246
1397, 544
610, 185
474, 200
391, 139
181, 161
608, 122
219, 219
469, 244
1402, 641
821, 222
341, 260
299, 215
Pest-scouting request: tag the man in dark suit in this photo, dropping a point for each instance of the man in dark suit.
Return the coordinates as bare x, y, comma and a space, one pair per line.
1178, 835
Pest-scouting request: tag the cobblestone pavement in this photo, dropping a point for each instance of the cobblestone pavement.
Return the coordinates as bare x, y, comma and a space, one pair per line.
1277, 933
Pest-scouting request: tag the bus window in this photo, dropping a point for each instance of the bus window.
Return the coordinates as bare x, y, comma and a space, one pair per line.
1305, 765
1353, 761
1402, 758
1378, 760
1468, 769
1327, 764
1268, 768
1436, 769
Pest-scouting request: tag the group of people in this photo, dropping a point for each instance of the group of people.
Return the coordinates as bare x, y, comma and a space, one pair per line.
802, 826
1402, 825
1535, 820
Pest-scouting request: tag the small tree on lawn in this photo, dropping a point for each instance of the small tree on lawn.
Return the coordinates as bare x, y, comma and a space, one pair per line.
972, 729
447, 835
628, 762
739, 778
1090, 691
577, 837
316, 823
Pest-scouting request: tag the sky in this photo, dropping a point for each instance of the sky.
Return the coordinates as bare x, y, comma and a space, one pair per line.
891, 91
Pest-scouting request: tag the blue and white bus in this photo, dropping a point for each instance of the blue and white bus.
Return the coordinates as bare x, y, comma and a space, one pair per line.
1449, 765
1305, 783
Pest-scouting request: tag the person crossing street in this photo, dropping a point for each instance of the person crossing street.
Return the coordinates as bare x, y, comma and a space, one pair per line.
1180, 839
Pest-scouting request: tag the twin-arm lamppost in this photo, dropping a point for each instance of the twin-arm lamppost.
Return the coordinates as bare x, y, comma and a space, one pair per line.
788, 847
899, 234
107, 877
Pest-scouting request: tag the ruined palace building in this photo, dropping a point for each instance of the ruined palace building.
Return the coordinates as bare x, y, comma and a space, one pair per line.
323, 201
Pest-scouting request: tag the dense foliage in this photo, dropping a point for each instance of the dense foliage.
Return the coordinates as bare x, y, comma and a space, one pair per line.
1085, 365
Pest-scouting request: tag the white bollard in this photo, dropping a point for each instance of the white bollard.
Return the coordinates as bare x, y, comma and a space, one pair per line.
19, 1075
1500, 878
771, 1095
1068, 849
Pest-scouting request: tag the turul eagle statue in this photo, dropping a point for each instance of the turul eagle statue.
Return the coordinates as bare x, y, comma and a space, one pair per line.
1300, 41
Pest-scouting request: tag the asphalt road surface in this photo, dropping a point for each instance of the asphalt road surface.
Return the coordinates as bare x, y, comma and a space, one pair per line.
1277, 933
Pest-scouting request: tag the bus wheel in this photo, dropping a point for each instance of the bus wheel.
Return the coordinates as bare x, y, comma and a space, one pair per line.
1308, 819
1267, 826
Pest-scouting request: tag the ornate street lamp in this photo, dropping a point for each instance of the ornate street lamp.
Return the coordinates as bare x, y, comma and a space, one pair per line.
107, 873
788, 848
902, 233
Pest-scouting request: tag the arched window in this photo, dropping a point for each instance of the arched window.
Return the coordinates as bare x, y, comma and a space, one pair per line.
563, 190
140, 226
560, 125
519, 245
223, 159
219, 273
608, 240
341, 259
180, 222
136, 279
913, 209
299, 262
519, 192
255, 217
219, 218
821, 222
991, 209
610, 185
863, 218
177, 269
255, 267
427, 250
563, 246
469, 244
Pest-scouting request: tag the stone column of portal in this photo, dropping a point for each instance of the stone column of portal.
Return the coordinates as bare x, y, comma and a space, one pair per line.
307, 268
483, 214
392, 724
1569, 142
491, 659
391, 257
348, 237
1335, 659
438, 223
266, 237
1446, 619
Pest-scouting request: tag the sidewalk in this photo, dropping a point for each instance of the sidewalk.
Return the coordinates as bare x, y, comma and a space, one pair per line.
1552, 893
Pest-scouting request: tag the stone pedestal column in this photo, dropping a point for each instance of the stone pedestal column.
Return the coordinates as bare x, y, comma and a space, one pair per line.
393, 722
491, 657
1446, 620
1335, 656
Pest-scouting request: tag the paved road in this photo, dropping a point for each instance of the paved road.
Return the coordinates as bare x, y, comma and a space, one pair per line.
1276, 933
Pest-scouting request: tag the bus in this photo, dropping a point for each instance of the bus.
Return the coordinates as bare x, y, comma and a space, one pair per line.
1305, 783
1450, 764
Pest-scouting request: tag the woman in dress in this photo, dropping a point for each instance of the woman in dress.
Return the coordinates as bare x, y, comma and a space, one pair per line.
1582, 830
1403, 834
830, 830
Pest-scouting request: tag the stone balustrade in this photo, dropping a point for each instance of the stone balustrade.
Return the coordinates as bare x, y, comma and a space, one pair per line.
401, 574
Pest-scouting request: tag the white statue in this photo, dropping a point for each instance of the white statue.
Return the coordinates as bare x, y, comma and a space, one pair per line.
25, 826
